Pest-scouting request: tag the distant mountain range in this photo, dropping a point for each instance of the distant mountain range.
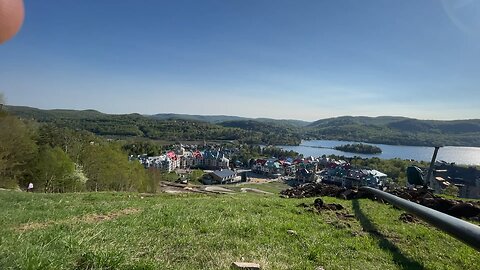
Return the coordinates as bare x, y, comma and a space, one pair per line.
403, 124
397, 130
215, 119
384, 129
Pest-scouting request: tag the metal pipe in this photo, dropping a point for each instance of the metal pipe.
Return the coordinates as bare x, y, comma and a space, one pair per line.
460, 229
432, 165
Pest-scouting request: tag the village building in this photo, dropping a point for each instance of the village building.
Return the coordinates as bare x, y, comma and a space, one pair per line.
221, 177
375, 178
304, 175
181, 159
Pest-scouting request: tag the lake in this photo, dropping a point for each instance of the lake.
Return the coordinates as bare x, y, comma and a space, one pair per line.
459, 155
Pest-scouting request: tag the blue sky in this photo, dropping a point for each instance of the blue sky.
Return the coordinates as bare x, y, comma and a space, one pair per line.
281, 59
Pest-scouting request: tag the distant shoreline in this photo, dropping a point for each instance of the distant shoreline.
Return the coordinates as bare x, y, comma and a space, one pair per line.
458, 154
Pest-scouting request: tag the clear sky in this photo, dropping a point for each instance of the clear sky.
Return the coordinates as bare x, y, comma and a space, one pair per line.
281, 59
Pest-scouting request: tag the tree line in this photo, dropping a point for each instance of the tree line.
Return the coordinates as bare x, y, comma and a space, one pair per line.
58, 159
359, 148
139, 126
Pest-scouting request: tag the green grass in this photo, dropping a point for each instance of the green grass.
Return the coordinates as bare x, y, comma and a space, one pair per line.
210, 232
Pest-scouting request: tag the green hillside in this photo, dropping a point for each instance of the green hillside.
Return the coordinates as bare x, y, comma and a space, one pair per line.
272, 132
135, 231
172, 127
204, 118
216, 119
134, 125
356, 120
193, 128
397, 131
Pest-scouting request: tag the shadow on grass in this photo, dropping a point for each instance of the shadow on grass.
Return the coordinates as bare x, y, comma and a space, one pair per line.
400, 259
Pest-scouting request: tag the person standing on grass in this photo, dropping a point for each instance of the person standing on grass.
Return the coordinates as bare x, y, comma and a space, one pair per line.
30, 187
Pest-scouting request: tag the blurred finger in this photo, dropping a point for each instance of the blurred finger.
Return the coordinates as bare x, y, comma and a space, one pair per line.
11, 18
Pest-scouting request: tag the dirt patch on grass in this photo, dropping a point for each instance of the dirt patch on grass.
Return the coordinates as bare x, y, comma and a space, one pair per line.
33, 226
320, 206
93, 218
335, 214
90, 218
408, 218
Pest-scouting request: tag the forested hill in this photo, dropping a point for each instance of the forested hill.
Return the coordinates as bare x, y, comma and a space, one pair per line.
136, 125
360, 120
204, 118
217, 119
171, 127
272, 131
397, 131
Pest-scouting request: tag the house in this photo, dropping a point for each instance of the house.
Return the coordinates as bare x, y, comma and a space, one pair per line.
259, 166
304, 175
271, 167
289, 168
212, 159
274, 168
182, 159
221, 177
197, 159
163, 162
173, 160
375, 178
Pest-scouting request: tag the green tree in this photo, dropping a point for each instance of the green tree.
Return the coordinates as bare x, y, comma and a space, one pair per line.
142, 147
196, 176
54, 170
78, 179
108, 168
17, 149
71, 142
154, 178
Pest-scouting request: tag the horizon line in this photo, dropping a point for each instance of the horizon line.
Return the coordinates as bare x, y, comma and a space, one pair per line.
246, 117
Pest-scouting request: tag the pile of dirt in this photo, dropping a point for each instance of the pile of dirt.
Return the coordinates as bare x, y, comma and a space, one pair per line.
319, 206
320, 189
342, 220
456, 208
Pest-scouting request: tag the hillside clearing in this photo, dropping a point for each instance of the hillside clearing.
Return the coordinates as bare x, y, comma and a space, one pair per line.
195, 231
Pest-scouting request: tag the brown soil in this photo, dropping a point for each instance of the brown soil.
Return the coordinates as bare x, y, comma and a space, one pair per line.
93, 218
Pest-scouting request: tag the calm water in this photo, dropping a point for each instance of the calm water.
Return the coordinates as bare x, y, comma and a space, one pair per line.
459, 155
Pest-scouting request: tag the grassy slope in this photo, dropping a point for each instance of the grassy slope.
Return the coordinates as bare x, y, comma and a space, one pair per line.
210, 232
